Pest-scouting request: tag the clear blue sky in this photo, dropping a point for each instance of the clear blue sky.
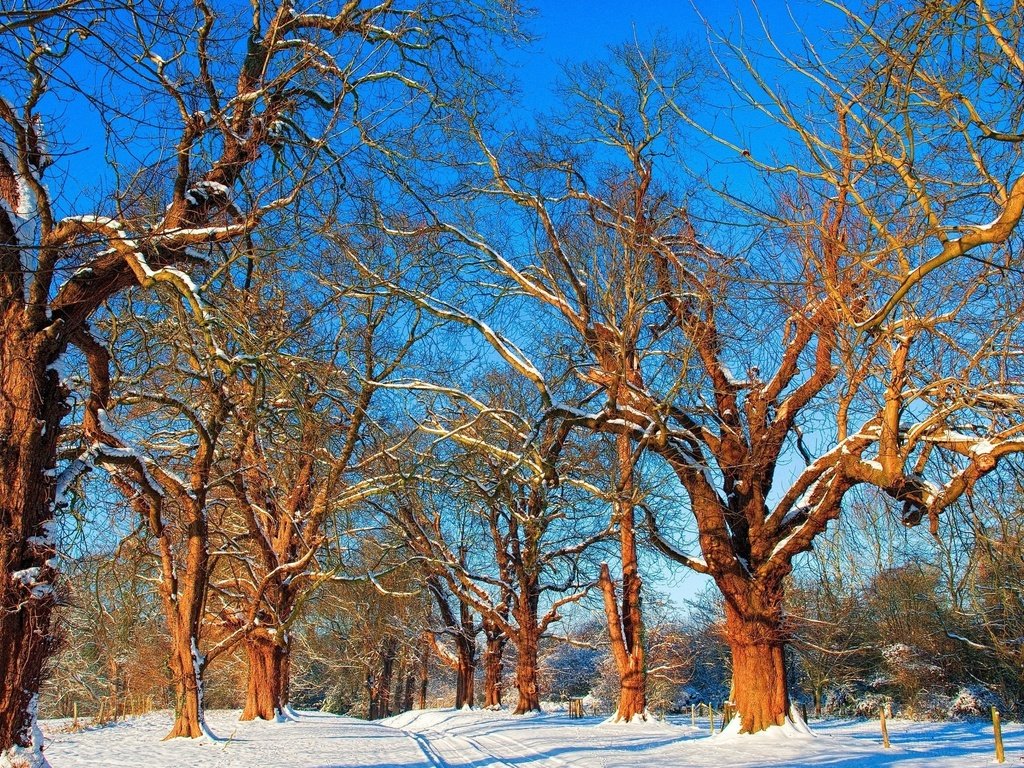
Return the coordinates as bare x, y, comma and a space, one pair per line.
581, 30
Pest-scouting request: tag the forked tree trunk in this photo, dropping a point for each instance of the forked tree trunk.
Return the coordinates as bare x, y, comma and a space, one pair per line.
264, 698
493, 654
630, 658
31, 409
625, 619
526, 670
756, 636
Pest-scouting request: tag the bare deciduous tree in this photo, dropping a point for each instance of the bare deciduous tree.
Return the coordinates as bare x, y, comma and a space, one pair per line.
917, 398
241, 107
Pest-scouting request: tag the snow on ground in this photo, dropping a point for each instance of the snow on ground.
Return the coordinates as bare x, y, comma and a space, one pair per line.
445, 738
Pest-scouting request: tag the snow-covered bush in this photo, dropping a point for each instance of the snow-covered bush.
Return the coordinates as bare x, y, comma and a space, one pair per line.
972, 701
869, 705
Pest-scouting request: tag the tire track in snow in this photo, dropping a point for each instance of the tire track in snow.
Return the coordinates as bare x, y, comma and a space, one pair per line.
424, 745
432, 751
527, 751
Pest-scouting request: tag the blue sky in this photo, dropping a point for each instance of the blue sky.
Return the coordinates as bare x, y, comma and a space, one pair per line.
581, 30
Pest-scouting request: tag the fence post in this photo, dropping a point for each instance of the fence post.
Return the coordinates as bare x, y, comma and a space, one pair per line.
693, 715
711, 719
885, 729
997, 732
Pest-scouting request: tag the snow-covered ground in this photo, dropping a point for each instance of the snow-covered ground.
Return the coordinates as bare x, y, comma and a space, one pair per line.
444, 737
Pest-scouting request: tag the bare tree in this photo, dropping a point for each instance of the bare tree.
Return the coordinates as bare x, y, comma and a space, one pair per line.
663, 307
245, 107
167, 477
306, 451
457, 623
509, 481
625, 617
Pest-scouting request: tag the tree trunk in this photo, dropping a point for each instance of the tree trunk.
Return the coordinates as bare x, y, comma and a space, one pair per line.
387, 670
399, 692
493, 653
625, 620
184, 596
284, 671
186, 667
263, 698
424, 675
31, 409
410, 688
526, 670
465, 681
756, 636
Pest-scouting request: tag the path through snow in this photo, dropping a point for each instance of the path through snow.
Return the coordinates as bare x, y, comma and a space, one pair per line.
445, 738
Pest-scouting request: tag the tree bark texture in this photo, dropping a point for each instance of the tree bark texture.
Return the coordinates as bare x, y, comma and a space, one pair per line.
526, 670
755, 632
264, 697
493, 666
31, 408
186, 667
465, 681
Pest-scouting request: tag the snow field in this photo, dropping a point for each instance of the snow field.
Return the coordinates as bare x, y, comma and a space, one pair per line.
446, 738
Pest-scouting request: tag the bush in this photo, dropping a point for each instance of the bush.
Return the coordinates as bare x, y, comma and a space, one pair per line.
972, 701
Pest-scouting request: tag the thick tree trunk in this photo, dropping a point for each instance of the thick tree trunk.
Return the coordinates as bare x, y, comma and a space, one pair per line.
465, 671
31, 409
526, 670
493, 654
625, 620
756, 636
264, 697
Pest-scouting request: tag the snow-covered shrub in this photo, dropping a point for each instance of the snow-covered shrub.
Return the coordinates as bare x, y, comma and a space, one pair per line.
869, 705
927, 705
839, 700
972, 701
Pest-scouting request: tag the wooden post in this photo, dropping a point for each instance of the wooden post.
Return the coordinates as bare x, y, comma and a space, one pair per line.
997, 732
711, 719
803, 710
693, 715
885, 730
74, 721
